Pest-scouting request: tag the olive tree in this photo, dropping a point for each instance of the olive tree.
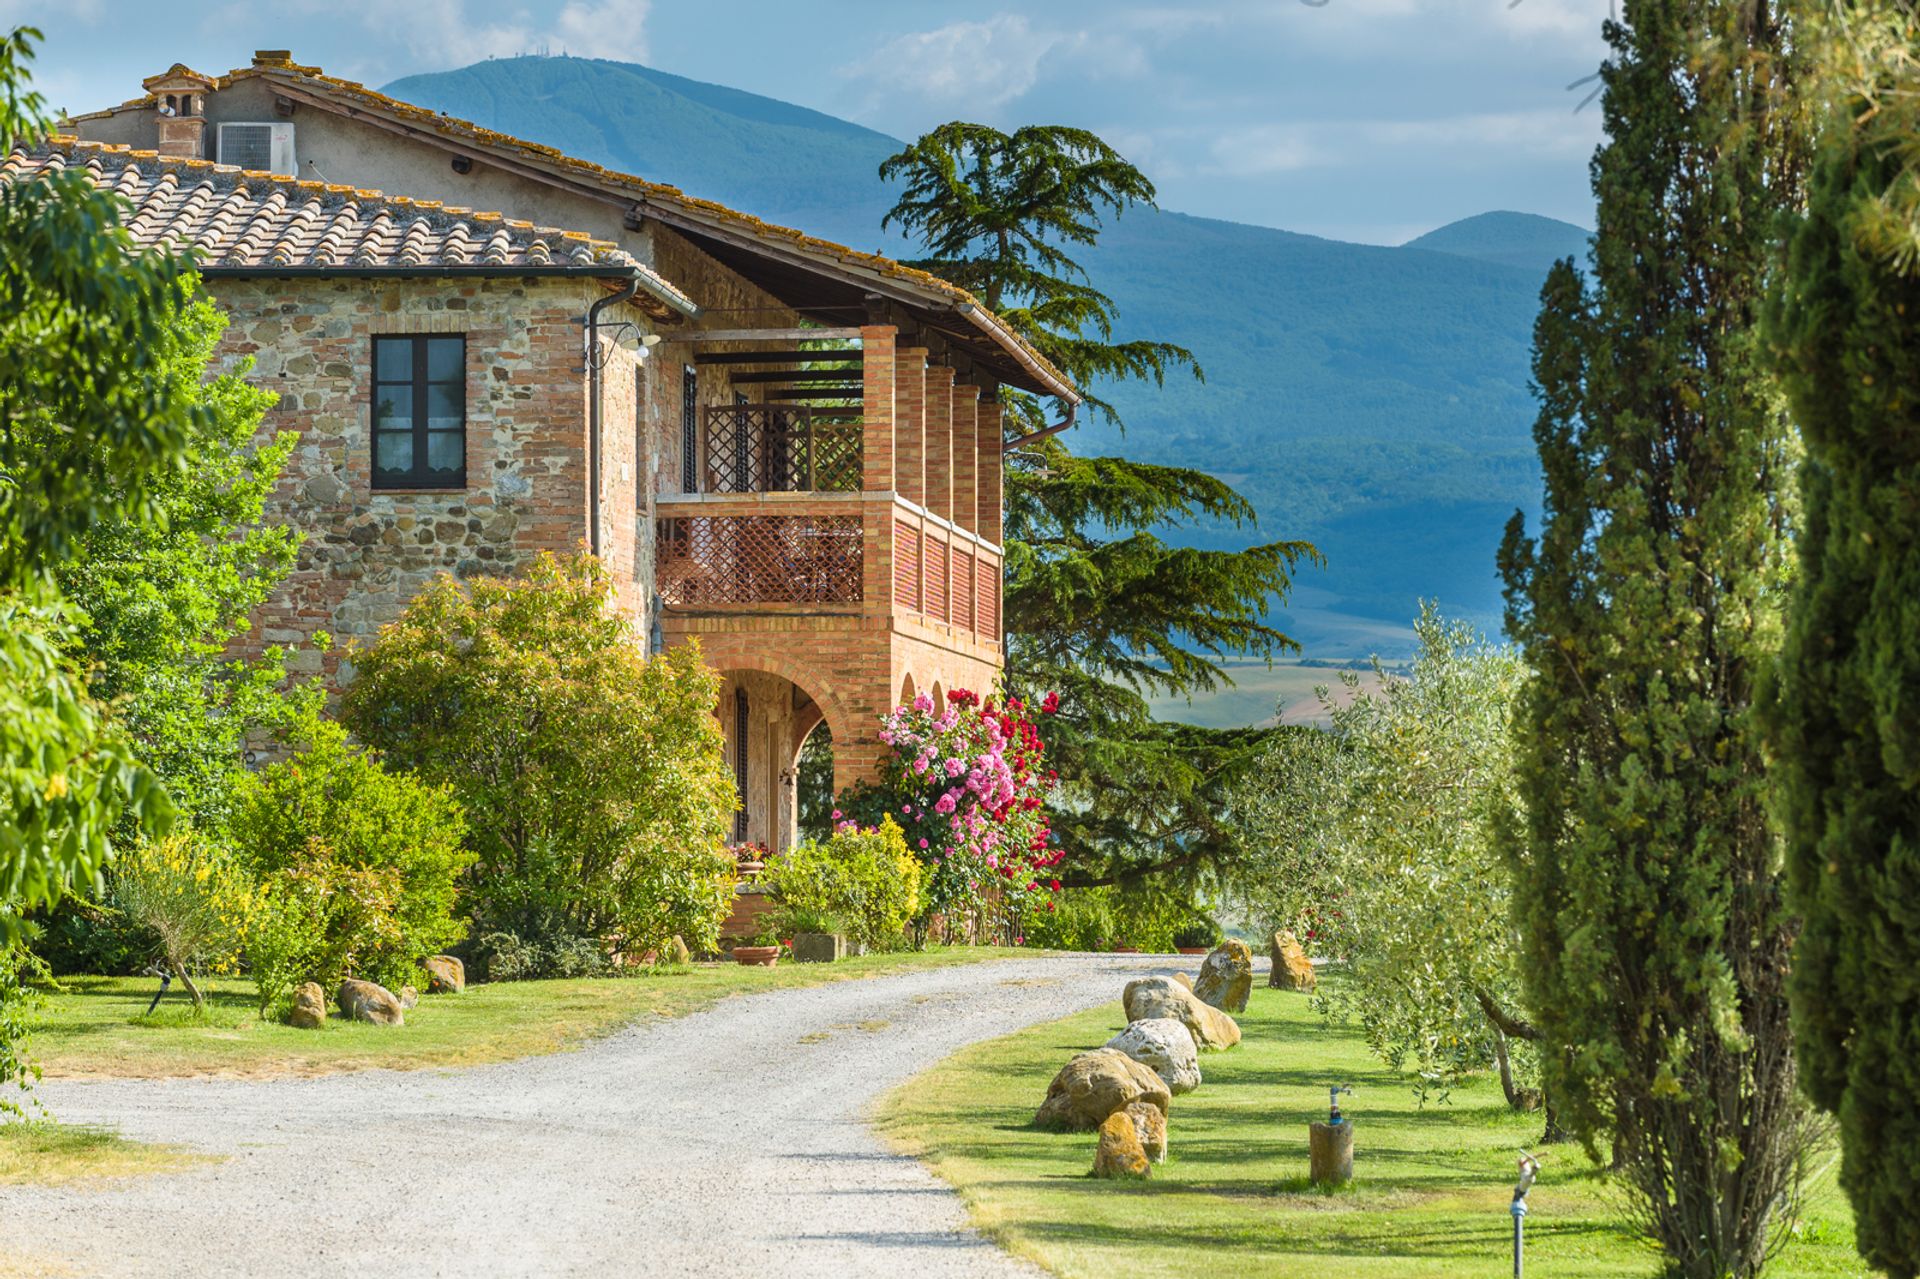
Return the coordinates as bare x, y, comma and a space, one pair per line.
1374, 840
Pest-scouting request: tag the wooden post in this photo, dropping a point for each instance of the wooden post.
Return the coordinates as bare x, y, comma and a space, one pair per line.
1330, 1153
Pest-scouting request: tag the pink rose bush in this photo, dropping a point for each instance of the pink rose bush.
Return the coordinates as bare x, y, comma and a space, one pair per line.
968, 784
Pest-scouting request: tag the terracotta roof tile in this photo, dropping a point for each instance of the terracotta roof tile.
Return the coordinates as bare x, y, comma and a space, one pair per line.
234, 218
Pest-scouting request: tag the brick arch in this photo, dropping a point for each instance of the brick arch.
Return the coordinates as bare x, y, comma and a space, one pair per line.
838, 717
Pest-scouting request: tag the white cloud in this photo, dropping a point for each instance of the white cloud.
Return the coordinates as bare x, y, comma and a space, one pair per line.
960, 65
614, 29
1263, 150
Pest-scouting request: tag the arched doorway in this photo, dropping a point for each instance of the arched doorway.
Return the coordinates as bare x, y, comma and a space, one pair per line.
907, 690
766, 719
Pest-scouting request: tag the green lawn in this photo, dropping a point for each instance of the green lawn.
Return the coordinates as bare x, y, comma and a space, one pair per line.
42, 1153
96, 1026
1429, 1198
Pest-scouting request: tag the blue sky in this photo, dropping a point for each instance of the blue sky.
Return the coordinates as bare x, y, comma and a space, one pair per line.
1369, 120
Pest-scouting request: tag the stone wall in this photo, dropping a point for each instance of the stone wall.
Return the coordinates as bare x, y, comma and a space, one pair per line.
366, 552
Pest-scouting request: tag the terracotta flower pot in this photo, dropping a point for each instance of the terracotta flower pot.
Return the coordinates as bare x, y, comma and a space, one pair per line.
1193, 950
757, 956
1126, 950
750, 870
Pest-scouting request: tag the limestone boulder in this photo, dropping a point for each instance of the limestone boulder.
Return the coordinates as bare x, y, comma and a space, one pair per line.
1150, 1125
1292, 970
1095, 1085
370, 1001
446, 975
1166, 1045
409, 998
1120, 1154
309, 1007
1151, 997
677, 952
1226, 977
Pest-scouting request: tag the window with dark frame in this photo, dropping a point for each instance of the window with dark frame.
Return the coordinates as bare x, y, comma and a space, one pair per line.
420, 412
689, 430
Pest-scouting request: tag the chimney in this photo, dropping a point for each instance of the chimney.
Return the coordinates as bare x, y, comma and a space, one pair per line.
180, 108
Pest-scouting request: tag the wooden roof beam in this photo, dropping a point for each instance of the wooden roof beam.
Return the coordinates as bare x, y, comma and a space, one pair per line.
770, 335
835, 377
851, 355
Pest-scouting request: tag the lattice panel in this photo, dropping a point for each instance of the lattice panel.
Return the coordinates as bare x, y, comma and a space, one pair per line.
934, 579
963, 584
760, 559
906, 565
987, 600
760, 448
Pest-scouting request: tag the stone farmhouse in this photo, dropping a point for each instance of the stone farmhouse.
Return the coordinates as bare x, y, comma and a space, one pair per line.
784, 449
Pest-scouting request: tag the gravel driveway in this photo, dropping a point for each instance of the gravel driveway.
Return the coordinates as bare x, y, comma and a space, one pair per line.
729, 1142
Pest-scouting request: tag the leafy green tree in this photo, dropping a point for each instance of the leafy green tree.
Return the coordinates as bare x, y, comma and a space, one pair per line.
1097, 606
162, 595
1377, 837
1845, 329
1645, 865
996, 212
596, 791
90, 425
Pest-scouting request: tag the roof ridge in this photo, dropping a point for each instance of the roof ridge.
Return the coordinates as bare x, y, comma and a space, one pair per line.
342, 193
238, 219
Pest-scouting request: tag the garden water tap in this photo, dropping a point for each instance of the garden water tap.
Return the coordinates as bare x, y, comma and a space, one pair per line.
1529, 1169
1333, 1102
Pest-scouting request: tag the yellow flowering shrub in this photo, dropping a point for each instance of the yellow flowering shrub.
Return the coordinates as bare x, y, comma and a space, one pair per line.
194, 896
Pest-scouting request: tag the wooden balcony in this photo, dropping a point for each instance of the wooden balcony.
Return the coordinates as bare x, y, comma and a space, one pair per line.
866, 554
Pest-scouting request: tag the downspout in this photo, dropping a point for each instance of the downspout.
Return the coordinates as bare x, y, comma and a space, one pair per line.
594, 363
1062, 425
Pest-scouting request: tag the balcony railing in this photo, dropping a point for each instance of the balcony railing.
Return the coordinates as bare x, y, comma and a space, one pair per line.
754, 550
768, 448
792, 556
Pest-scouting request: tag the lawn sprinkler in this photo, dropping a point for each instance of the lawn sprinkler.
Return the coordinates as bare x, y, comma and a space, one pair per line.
166, 980
1529, 1169
1330, 1144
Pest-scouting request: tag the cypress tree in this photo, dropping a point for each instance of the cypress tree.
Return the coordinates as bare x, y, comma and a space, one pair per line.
1845, 326
1645, 866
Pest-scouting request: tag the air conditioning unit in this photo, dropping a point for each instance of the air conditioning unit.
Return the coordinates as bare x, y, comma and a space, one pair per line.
267, 147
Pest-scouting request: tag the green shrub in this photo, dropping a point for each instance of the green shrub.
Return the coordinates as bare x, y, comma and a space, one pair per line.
806, 919
593, 778
382, 849
551, 954
862, 877
1080, 920
193, 894
1101, 918
287, 939
1197, 932
20, 1000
